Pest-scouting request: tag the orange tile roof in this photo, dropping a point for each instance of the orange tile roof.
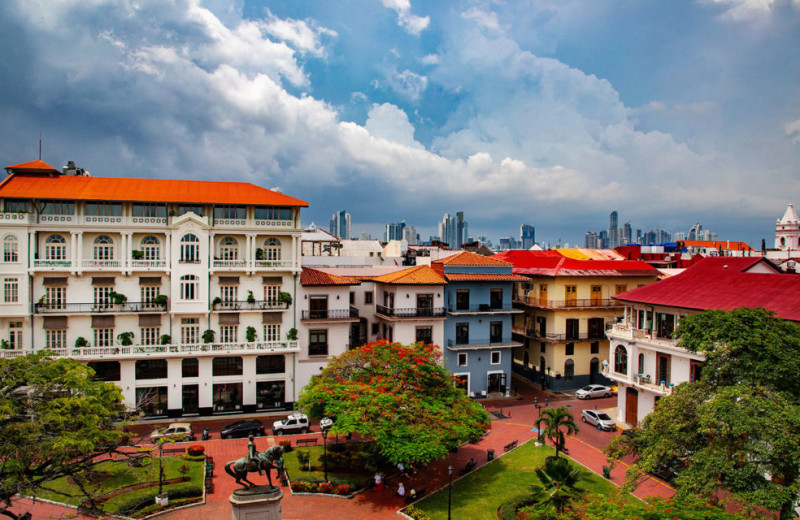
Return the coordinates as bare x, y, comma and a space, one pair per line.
420, 275
476, 277
718, 244
468, 258
142, 190
314, 277
37, 166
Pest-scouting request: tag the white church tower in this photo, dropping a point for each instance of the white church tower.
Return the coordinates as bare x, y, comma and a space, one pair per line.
787, 231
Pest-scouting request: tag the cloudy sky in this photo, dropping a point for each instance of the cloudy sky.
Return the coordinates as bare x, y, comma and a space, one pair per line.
548, 112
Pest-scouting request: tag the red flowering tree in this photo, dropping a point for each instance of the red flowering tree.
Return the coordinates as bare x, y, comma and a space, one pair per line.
399, 395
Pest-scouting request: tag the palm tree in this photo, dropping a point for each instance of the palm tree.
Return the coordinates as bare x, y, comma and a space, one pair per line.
558, 483
555, 419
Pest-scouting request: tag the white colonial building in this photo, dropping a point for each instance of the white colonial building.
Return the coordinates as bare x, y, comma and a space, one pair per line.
644, 358
181, 292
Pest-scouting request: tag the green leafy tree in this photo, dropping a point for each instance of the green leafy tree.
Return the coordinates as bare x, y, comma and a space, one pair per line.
400, 396
736, 429
54, 421
558, 482
558, 424
599, 507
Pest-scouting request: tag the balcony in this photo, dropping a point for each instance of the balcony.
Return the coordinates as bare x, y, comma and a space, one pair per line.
583, 303
481, 343
98, 308
148, 264
482, 308
330, 314
229, 264
629, 332
410, 312
102, 264
274, 265
561, 338
165, 351
640, 382
243, 305
53, 264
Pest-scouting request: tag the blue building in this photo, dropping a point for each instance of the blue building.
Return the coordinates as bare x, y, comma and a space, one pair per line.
477, 330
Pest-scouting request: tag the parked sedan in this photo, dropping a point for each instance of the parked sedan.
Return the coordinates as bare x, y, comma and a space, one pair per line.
176, 431
591, 391
243, 428
601, 420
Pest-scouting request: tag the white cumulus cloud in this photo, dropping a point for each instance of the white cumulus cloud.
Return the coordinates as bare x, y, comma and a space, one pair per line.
411, 23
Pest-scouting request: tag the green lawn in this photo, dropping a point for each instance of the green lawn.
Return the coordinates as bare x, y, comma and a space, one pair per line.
292, 465
478, 495
119, 474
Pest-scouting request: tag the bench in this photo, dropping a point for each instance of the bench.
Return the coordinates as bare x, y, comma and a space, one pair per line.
311, 440
173, 450
510, 446
416, 497
469, 467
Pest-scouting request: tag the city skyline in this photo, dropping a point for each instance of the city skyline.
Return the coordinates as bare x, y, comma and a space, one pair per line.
506, 111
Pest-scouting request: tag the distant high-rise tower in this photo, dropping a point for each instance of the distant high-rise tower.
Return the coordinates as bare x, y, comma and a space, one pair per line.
410, 235
527, 235
454, 231
626, 234
394, 231
340, 225
461, 230
694, 233
590, 240
613, 230
787, 230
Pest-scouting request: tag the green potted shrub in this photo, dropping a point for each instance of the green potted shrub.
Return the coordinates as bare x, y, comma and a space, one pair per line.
4, 344
285, 297
137, 255
292, 334
166, 339
81, 342
251, 297
118, 298
161, 299
250, 334
125, 338
216, 301
259, 254
208, 336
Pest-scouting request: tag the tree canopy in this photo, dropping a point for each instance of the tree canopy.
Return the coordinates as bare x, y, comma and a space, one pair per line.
399, 395
736, 429
54, 420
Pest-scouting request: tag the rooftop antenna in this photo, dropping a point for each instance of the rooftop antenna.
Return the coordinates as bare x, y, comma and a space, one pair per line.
40, 146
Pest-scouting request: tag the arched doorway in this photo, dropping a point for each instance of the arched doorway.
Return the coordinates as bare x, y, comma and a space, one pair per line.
594, 369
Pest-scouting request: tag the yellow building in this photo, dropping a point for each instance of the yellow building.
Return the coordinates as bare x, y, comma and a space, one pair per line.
568, 306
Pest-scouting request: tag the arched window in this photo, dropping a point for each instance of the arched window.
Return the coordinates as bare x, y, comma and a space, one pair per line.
55, 248
229, 249
783, 241
621, 360
641, 364
273, 247
189, 287
103, 248
150, 247
190, 248
569, 370
10, 249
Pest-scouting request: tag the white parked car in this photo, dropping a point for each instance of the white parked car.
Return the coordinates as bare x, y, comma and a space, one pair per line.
175, 431
295, 423
600, 420
591, 391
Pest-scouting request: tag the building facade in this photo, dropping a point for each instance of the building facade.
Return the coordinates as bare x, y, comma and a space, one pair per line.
180, 292
787, 231
568, 306
644, 358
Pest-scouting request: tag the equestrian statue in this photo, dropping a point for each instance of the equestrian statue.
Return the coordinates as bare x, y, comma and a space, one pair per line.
255, 461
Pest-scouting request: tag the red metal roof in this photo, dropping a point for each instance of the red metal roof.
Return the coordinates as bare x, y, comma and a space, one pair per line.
142, 190
536, 263
314, 277
713, 287
476, 277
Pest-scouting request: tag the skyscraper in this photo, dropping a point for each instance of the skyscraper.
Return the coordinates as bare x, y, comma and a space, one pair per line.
613, 230
527, 235
626, 234
461, 235
590, 240
394, 231
454, 231
340, 225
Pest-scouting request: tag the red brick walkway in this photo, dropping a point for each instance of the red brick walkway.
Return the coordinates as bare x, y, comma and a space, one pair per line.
586, 448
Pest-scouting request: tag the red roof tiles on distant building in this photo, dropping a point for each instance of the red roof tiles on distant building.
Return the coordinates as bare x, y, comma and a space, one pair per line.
468, 258
314, 277
420, 275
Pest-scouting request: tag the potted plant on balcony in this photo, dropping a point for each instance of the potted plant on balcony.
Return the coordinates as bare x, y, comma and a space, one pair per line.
259, 254
292, 334
216, 301
166, 339
81, 342
125, 338
137, 254
285, 297
251, 297
118, 298
4, 344
208, 336
250, 334
161, 299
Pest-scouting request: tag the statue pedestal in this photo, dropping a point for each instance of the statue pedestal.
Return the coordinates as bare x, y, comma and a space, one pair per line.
256, 503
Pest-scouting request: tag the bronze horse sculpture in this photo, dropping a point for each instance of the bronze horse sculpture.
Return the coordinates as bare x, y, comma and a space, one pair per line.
263, 461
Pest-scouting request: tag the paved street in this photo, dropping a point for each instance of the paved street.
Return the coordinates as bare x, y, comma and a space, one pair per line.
585, 447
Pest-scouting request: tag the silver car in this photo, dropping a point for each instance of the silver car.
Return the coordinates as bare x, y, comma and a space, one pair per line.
600, 420
590, 391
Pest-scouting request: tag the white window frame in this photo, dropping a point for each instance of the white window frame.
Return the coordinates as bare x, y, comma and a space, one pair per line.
56, 339
229, 293
149, 293
151, 247
469, 380
55, 248
104, 337
150, 335
190, 331
15, 335
102, 296
272, 332
272, 247
499, 357
229, 249
190, 287
56, 297
10, 249
11, 290
103, 248
458, 359
229, 333
271, 293
190, 249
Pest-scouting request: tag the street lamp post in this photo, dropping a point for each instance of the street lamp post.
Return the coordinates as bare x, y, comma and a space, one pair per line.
538, 416
449, 490
325, 452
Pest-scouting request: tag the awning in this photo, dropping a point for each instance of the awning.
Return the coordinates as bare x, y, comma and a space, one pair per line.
229, 318
55, 322
102, 280
149, 320
55, 280
102, 322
